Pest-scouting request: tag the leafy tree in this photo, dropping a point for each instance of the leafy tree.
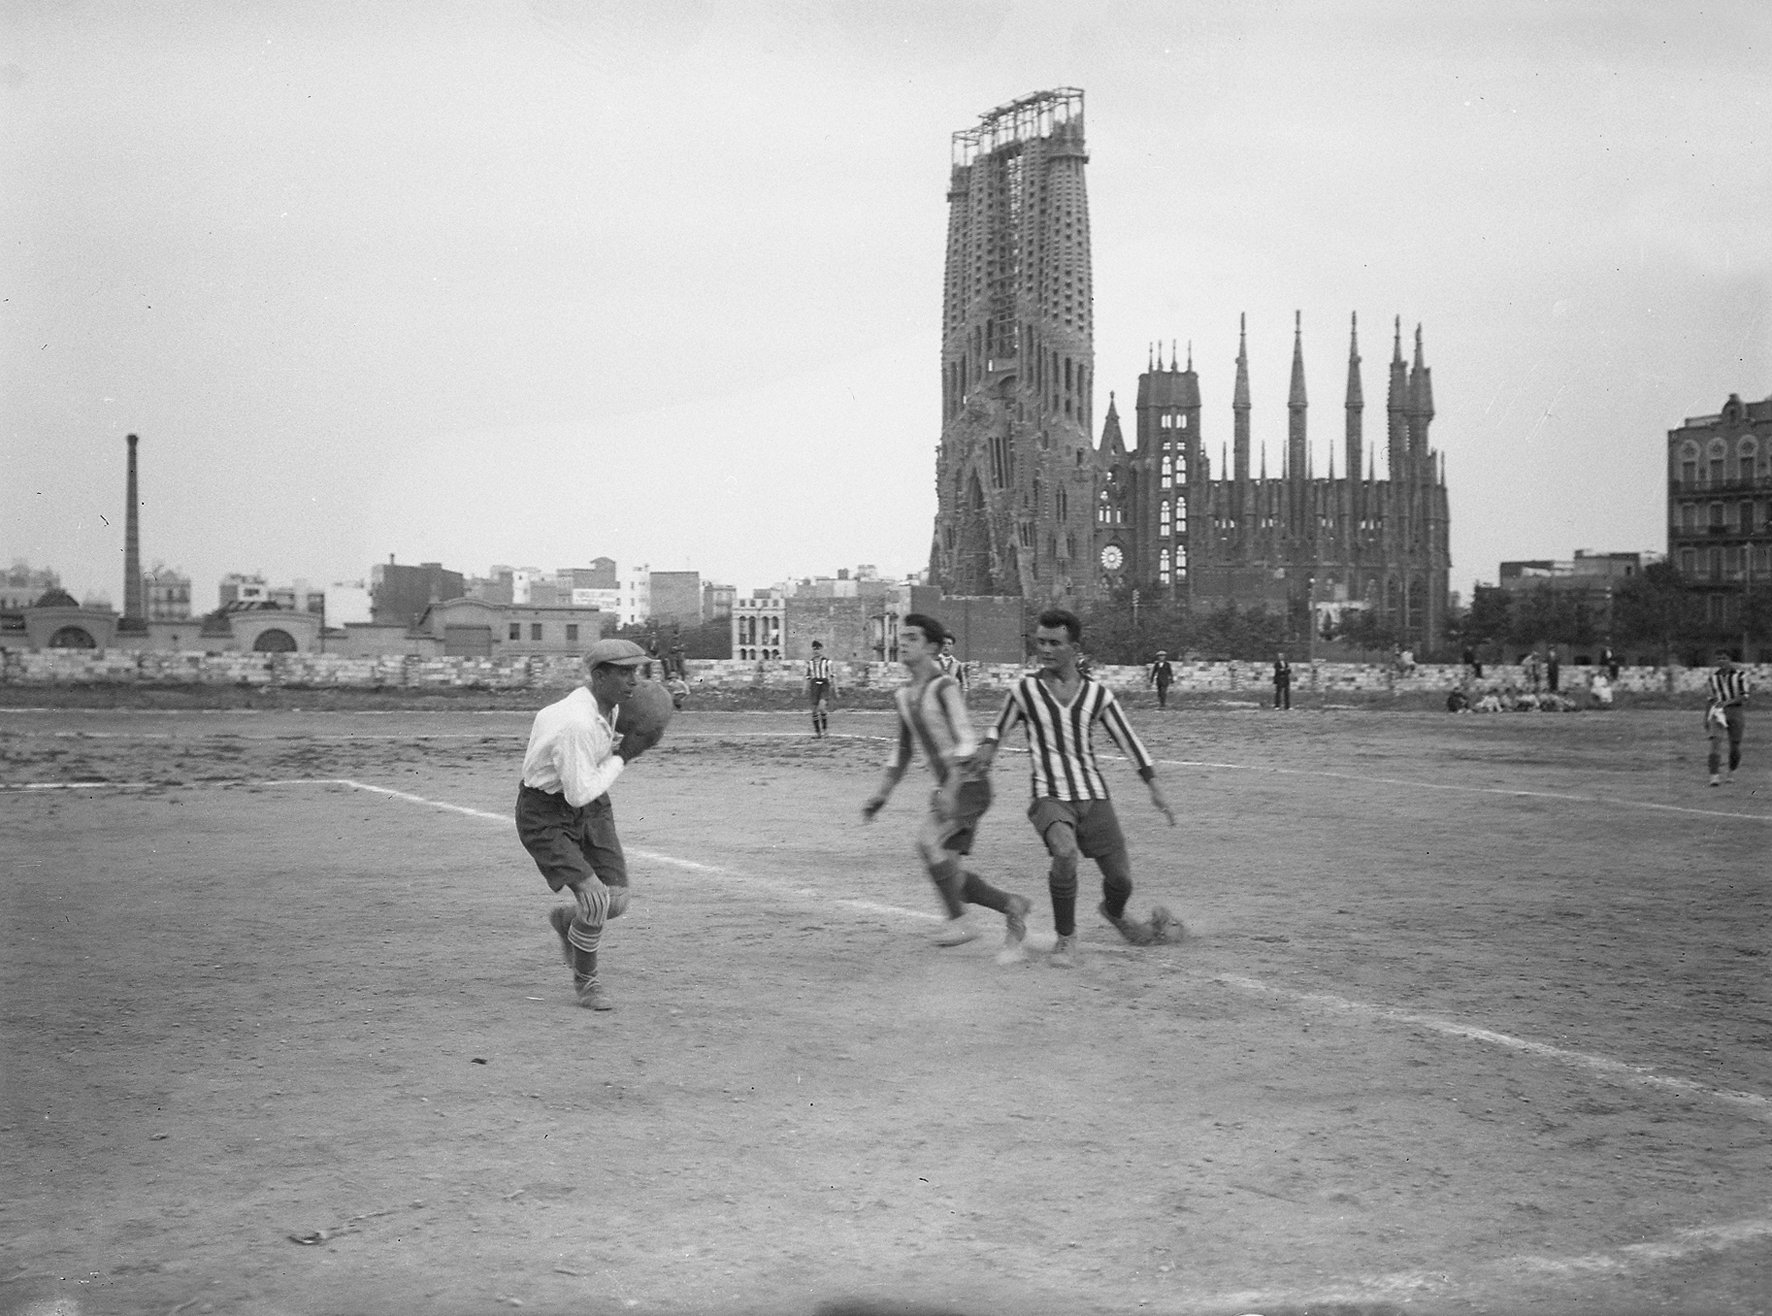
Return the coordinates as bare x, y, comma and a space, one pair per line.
1656, 607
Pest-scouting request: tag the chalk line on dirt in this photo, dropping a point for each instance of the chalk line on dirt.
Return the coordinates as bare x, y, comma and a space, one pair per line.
1686, 1243
1759, 1105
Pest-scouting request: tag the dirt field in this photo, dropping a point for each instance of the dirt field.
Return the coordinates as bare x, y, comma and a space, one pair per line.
1474, 1015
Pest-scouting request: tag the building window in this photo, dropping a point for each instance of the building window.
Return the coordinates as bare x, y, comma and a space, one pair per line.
1163, 519
572, 630
1168, 470
516, 630
1716, 516
1689, 518
1714, 566
1688, 562
1747, 518
535, 630
1163, 567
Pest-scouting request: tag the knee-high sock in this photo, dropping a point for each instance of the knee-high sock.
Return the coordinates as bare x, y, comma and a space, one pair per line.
1115, 892
948, 884
1061, 882
974, 890
586, 930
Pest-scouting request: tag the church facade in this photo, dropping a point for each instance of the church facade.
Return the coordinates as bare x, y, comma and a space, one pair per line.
1029, 504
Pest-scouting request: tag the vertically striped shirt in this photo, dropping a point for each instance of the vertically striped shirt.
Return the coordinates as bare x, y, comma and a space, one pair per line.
819, 669
1728, 687
1061, 737
935, 718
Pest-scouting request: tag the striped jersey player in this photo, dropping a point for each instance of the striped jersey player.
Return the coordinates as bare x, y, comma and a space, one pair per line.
1060, 708
1725, 715
932, 716
821, 684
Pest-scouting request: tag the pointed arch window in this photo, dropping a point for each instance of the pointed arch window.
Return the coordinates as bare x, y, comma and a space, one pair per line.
1163, 567
1163, 519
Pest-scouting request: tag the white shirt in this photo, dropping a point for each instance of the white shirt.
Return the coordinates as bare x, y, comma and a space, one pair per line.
572, 750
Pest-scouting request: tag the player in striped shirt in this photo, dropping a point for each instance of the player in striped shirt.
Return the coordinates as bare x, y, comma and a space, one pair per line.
1060, 707
1725, 715
932, 714
821, 683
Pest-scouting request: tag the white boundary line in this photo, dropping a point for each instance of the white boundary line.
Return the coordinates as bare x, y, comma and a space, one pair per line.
1686, 1243
1760, 1106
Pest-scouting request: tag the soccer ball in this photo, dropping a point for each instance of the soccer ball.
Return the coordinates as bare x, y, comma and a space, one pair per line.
1165, 927
647, 710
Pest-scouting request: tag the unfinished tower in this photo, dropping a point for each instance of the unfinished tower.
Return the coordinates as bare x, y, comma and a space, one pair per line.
1015, 473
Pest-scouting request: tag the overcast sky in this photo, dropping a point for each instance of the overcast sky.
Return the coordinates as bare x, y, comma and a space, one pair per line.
532, 283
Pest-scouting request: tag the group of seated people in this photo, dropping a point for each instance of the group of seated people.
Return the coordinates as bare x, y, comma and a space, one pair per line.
1509, 698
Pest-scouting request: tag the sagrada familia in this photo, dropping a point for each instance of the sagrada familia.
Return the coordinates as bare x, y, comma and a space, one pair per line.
1029, 504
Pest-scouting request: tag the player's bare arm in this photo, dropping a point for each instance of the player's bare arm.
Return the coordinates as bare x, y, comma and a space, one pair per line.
877, 801
1158, 799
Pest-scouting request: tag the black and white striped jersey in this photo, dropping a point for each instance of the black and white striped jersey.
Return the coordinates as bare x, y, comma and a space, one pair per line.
1061, 745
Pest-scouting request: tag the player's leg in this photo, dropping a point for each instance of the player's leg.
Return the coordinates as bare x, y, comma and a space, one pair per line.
1099, 837
1717, 734
600, 898
1737, 719
1055, 820
552, 830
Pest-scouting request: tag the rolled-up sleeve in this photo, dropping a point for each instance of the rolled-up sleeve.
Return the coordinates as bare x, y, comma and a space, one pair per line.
588, 763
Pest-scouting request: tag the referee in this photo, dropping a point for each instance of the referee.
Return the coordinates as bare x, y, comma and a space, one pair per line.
1725, 716
821, 684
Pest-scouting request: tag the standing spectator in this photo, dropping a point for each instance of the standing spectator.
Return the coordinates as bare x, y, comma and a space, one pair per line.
1553, 668
1609, 661
1725, 715
821, 684
1472, 666
1282, 682
1532, 672
1161, 675
1406, 663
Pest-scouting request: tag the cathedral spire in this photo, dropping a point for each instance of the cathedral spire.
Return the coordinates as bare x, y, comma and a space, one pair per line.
1297, 463
1113, 442
1240, 400
1396, 407
1356, 414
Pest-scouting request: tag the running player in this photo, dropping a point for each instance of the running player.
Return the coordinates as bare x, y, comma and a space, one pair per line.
932, 713
1071, 811
564, 817
821, 684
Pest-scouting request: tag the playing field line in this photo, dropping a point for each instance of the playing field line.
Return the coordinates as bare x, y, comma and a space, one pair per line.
1507, 791
1756, 1104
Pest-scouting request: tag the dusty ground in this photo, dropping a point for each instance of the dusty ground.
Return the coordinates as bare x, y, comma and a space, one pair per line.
1474, 1016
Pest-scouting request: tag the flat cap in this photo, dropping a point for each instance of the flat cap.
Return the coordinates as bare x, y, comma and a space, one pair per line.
620, 653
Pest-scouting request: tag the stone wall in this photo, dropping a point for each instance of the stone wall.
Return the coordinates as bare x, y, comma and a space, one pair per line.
559, 671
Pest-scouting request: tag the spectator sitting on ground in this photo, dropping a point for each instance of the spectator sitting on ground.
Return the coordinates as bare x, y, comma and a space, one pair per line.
1600, 690
1458, 702
679, 691
1489, 703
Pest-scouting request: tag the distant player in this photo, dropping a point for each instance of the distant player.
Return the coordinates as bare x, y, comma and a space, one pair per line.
564, 817
951, 664
1725, 715
932, 713
1059, 707
1162, 676
821, 684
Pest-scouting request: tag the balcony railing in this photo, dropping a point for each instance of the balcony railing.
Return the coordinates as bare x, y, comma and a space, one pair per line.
1748, 484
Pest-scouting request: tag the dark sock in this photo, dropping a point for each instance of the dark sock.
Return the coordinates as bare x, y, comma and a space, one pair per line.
1114, 895
948, 884
584, 965
976, 891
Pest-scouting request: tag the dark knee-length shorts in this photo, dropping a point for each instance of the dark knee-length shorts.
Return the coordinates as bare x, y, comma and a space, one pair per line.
570, 844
